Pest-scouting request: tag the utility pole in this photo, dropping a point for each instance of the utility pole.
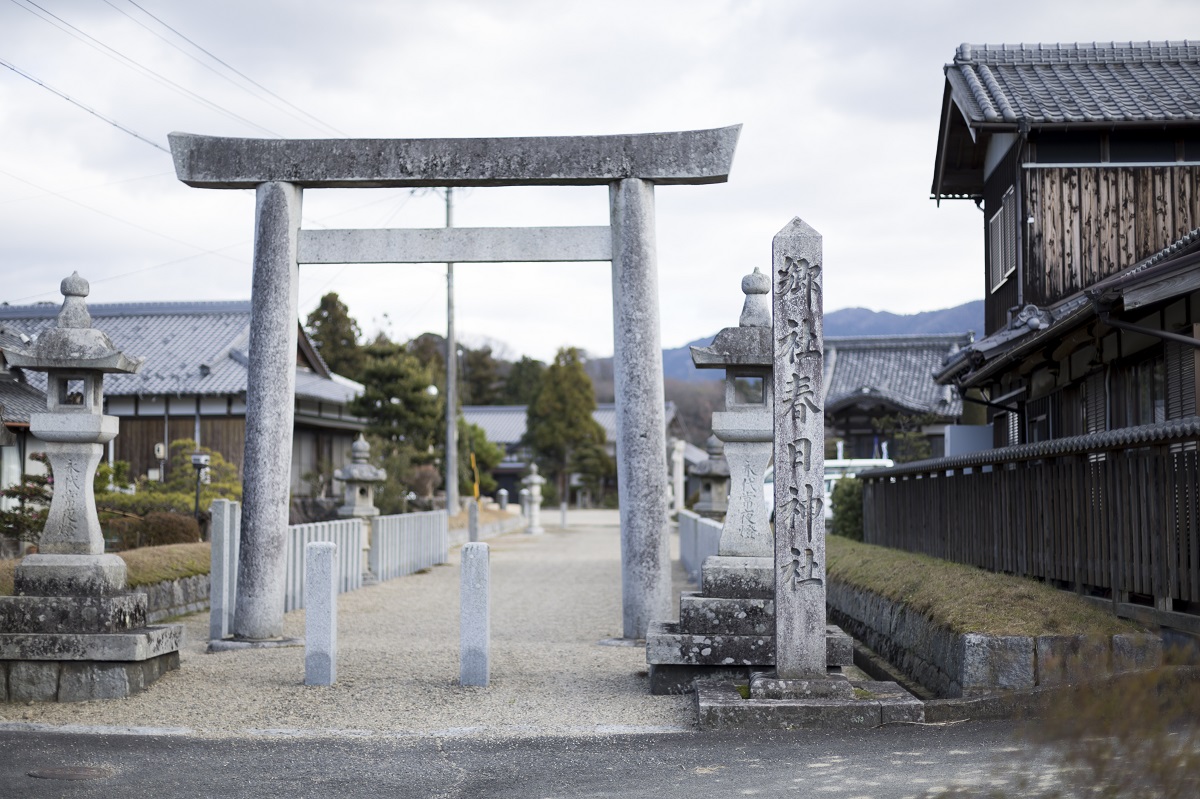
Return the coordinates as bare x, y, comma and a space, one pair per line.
451, 378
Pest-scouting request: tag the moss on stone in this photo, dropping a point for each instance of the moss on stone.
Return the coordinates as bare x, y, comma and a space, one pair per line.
965, 599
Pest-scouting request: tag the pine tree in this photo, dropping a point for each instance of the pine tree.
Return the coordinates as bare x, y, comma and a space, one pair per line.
336, 335
397, 403
559, 421
523, 382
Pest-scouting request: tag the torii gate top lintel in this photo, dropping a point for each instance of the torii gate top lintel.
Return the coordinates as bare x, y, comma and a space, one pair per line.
683, 157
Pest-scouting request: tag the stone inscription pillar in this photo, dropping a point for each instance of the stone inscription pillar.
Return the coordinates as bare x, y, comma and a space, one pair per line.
641, 423
799, 453
270, 408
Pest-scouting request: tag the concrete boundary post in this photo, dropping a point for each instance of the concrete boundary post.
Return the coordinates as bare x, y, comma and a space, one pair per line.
270, 408
226, 521
475, 616
320, 612
472, 520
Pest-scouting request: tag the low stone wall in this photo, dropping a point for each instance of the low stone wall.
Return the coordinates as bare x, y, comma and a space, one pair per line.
175, 597
957, 665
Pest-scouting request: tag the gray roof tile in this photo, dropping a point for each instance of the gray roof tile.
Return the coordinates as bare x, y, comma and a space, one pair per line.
1114, 83
189, 347
898, 369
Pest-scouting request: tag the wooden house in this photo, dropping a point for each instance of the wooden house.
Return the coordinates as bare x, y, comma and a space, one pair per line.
1085, 162
193, 386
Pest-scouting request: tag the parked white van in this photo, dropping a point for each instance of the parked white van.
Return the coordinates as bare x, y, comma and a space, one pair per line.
835, 470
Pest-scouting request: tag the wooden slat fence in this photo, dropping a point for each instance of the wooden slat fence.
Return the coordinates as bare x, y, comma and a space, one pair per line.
1113, 514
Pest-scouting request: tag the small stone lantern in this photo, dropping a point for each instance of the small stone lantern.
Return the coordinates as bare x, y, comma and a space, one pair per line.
360, 479
713, 472
745, 426
73, 632
75, 357
534, 482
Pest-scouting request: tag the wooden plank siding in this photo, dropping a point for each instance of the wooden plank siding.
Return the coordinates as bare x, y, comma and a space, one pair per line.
1090, 222
1120, 521
138, 434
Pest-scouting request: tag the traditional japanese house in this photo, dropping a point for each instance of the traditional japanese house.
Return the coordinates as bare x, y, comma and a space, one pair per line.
1085, 162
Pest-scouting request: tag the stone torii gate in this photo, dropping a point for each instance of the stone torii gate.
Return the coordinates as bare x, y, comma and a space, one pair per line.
279, 170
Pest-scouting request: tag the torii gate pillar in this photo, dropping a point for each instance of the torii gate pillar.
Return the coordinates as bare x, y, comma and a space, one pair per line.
279, 170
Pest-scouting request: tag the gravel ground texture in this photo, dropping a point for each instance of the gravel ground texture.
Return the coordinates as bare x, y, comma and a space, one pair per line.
555, 597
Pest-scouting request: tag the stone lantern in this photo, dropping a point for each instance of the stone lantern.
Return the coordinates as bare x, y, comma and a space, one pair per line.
73, 631
360, 479
714, 481
745, 426
534, 482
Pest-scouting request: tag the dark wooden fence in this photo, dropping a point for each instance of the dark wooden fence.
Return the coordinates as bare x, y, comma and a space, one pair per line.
1113, 515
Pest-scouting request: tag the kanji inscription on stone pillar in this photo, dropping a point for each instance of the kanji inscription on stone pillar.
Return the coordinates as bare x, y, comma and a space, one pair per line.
799, 453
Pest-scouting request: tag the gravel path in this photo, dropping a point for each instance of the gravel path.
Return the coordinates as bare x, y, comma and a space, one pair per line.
554, 597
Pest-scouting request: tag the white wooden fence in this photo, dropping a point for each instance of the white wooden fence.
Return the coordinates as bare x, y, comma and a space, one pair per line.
346, 533
409, 542
698, 538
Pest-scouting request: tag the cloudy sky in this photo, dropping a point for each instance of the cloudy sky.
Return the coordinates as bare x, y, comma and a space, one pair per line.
839, 103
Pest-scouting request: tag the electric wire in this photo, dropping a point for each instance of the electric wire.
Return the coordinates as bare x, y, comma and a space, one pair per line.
89, 109
302, 113
102, 48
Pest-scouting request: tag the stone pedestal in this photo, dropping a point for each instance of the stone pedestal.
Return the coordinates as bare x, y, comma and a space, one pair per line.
726, 630
534, 482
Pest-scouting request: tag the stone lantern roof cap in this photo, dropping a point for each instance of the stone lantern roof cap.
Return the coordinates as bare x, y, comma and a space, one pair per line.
748, 344
73, 344
359, 470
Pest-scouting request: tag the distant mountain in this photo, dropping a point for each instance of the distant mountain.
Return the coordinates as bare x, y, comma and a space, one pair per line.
677, 363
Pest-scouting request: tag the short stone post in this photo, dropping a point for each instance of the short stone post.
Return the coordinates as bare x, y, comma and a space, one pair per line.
534, 481
502, 499
677, 475
270, 411
226, 520
562, 513
472, 520
475, 616
800, 649
524, 498
320, 613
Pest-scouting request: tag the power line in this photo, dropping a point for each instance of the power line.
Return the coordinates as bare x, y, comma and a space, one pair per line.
119, 219
41, 194
223, 63
90, 110
104, 49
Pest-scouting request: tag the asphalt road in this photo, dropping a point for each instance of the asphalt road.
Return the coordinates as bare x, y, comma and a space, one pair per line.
903, 761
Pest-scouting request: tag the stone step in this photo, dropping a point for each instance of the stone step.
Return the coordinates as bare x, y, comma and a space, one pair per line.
131, 645
72, 614
700, 614
666, 643
737, 577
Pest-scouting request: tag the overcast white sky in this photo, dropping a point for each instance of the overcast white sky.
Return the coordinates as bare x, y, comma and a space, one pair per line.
839, 102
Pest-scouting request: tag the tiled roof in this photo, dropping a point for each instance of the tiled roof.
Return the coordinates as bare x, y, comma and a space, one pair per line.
1113, 83
19, 399
896, 369
505, 424
189, 348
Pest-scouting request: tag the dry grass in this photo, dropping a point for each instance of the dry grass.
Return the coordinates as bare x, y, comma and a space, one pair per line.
966, 599
145, 566
486, 516
6, 577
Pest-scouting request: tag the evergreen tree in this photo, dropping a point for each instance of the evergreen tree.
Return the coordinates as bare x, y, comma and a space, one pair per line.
472, 439
480, 378
559, 421
397, 404
523, 382
336, 335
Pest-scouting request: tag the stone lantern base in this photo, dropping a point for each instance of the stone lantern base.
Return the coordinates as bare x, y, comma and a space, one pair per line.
73, 633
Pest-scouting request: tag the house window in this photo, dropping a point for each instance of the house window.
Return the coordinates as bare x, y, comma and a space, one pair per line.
1002, 241
1142, 395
